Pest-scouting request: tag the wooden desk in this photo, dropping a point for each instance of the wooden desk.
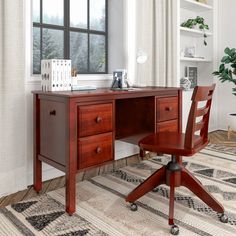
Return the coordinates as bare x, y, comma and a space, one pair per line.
76, 130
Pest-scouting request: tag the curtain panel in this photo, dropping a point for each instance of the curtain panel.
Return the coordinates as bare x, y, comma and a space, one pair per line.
12, 97
155, 36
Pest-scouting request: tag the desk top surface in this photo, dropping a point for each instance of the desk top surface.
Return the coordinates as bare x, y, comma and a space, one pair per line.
145, 91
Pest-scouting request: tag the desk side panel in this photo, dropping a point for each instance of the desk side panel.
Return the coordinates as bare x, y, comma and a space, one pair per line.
53, 130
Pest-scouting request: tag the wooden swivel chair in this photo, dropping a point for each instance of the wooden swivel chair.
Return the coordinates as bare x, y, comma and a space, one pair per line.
174, 174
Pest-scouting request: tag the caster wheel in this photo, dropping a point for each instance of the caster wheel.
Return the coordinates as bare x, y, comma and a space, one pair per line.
133, 207
155, 190
174, 230
224, 218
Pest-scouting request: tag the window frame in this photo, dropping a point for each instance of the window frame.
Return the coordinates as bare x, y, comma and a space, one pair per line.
66, 28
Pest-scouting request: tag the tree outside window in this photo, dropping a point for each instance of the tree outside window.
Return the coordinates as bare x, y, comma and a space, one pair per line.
71, 29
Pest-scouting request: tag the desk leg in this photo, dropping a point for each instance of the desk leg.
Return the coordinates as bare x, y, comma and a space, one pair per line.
71, 161
37, 175
70, 189
37, 162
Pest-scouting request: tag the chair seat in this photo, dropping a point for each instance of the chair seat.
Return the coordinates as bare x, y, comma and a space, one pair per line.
170, 143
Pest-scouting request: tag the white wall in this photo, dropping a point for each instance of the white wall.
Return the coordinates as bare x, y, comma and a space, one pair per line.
117, 58
226, 38
226, 101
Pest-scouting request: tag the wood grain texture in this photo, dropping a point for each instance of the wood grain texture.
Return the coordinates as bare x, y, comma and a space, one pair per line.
73, 127
167, 108
36, 137
94, 150
134, 116
177, 145
53, 130
170, 125
95, 119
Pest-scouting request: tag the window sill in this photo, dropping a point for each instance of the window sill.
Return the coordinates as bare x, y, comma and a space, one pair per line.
95, 79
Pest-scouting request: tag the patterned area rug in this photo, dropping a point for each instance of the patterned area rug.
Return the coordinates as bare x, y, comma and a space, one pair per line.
101, 209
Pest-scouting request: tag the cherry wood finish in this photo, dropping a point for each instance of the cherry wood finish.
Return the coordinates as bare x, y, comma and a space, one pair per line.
36, 134
170, 125
94, 119
167, 109
129, 119
52, 130
177, 144
95, 150
74, 131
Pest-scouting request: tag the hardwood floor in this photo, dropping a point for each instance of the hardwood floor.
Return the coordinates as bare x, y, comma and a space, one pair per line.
216, 137
57, 183
221, 137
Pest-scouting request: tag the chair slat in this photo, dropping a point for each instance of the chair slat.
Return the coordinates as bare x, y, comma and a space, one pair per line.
205, 98
199, 125
202, 111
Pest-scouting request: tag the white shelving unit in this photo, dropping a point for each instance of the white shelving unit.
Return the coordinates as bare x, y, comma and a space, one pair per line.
194, 59
194, 32
195, 6
194, 38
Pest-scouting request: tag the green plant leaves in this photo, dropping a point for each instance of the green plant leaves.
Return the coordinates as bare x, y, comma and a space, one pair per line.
222, 68
190, 23
224, 58
227, 51
227, 68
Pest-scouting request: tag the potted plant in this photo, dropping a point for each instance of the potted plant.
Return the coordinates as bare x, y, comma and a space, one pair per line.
227, 73
198, 21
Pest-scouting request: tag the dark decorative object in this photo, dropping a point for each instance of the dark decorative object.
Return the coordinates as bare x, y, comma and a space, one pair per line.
41, 221
20, 207
190, 23
192, 75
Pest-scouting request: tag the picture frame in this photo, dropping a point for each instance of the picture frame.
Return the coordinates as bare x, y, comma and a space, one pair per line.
192, 75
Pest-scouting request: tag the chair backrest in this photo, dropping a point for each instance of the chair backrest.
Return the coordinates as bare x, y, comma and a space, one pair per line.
198, 119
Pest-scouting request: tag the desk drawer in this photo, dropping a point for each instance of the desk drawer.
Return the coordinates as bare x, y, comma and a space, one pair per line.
167, 108
171, 126
95, 150
94, 119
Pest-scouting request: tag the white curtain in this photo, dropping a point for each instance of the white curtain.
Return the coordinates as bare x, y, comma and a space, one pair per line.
12, 97
155, 36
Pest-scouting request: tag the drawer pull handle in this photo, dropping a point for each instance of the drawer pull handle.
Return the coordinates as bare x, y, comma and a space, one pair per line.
98, 150
169, 108
99, 119
52, 113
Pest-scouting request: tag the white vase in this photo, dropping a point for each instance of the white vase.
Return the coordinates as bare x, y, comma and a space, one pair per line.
232, 121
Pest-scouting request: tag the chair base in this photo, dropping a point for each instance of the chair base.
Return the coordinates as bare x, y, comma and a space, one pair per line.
174, 174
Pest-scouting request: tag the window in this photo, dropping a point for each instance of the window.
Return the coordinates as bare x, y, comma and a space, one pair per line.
71, 29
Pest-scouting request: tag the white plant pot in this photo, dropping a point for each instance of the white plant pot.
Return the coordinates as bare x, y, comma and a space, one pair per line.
232, 121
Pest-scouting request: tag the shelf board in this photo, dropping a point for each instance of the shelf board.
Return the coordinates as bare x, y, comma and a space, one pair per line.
195, 6
193, 32
190, 59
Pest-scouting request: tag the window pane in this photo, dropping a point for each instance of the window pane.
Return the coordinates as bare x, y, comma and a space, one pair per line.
79, 51
97, 15
53, 12
97, 53
78, 13
36, 10
52, 44
36, 50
